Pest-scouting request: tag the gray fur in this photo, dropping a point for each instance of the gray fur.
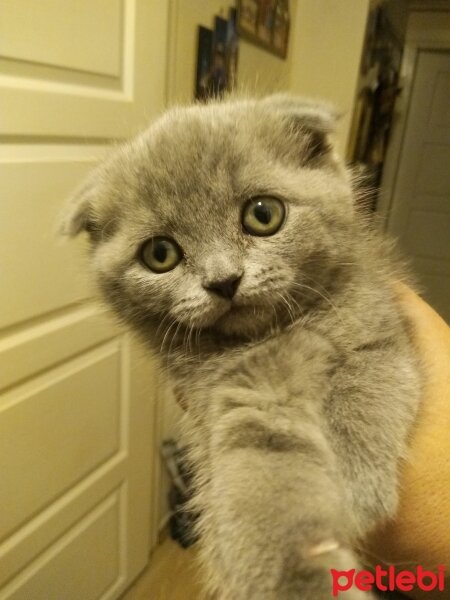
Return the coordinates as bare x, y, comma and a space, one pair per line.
302, 395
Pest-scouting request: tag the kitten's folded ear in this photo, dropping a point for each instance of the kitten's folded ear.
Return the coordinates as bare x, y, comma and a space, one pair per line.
311, 121
311, 114
77, 215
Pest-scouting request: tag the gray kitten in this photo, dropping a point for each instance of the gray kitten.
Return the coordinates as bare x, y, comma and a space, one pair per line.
227, 236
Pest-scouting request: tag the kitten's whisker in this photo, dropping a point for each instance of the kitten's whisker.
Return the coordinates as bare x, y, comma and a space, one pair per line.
324, 297
296, 304
166, 316
275, 312
173, 338
317, 284
186, 340
288, 306
186, 344
300, 320
189, 338
320, 286
197, 338
166, 334
325, 292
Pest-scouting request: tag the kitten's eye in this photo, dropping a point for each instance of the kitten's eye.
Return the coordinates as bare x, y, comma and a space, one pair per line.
263, 216
160, 254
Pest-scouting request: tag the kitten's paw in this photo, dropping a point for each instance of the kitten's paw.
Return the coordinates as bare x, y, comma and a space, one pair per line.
326, 571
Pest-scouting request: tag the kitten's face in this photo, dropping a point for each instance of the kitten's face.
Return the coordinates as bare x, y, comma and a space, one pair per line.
219, 218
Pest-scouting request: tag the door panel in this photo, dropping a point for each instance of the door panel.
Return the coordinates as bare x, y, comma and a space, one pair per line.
30, 541
63, 336
64, 571
105, 98
53, 412
46, 34
420, 210
41, 274
77, 395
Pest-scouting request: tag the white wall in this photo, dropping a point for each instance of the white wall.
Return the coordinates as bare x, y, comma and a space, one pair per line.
326, 48
258, 70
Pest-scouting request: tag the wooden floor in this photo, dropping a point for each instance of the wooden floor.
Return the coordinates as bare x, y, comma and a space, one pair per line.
171, 575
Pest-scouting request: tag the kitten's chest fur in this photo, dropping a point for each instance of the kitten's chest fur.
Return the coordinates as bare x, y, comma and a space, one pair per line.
320, 342
348, 373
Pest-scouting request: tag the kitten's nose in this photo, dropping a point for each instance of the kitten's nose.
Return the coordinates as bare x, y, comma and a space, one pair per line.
226, 288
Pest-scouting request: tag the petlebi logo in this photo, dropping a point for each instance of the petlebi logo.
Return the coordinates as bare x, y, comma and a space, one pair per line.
388, 579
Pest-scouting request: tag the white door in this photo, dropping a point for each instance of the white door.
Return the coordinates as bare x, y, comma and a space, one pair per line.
420, 210
76, 395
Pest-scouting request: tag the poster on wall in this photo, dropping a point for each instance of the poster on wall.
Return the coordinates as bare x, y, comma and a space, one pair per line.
217, 57
265, 23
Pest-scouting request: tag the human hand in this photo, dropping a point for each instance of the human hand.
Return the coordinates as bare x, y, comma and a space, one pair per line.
420, 533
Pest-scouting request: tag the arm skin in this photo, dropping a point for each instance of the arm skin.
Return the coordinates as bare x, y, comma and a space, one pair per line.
420, 534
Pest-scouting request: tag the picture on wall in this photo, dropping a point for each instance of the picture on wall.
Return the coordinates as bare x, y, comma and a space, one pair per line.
265, 23
217, 57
